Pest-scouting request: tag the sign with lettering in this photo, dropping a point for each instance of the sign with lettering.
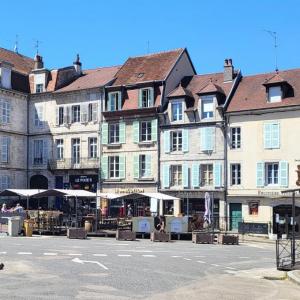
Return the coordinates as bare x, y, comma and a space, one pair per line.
129, 191
268, 193
84, 182
258, 228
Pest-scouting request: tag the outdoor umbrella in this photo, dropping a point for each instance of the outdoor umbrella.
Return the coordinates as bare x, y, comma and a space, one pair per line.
207, 214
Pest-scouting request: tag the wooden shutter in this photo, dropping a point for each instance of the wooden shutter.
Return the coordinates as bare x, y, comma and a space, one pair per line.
185, 140
267, 136
69, 114
57, 116
207, 138
140, 98
167, 136
84, 113
284, 173
122, 166
136, 166
185, 175
260, 174
119, 100
154, 130
166, 176
148, 165
151, 97
104, 167
45, 152
136, 131
122, 132
104, 133
275, 135
94, 111
195, 175
217, 171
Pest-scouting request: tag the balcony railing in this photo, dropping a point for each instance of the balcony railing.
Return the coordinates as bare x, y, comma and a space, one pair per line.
71, 163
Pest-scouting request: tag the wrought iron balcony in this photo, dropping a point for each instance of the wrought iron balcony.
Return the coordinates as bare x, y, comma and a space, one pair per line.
71, 163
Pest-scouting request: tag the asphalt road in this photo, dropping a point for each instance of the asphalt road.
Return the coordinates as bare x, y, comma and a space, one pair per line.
100, 268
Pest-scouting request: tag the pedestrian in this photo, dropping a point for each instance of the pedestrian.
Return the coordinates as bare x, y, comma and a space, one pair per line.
129, 211
18, 208
4, 208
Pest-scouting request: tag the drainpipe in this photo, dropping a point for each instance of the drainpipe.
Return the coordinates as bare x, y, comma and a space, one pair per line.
225, 170
27, 144
102, 105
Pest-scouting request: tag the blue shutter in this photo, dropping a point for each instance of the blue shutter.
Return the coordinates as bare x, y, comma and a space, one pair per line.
166, 176
104, 167
148, 166
136, 166
167, 135
104, 133
207, 138
267, 136
185, 175
151, 96
284, 173
154, 130
122, 132
217, 174
260, 174
122, 166
119, 100
275, 136
136, 131
185, 140
195, 175
140, 98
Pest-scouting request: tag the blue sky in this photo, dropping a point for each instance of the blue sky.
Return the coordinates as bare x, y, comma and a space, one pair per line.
105, 33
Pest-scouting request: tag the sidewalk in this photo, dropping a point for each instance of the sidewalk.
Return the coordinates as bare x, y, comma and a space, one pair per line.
256, 238
294, 276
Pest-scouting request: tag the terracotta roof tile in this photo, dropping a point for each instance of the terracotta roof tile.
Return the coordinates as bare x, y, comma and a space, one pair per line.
211, 88
180, 91
251, 93
147, 68
274, 79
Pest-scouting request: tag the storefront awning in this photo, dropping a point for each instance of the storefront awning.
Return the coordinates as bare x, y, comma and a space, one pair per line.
108, 196
27, 193
65, 193
158, 196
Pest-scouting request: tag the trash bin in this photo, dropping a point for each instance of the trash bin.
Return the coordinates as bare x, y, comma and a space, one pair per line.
13, 226
28, 226
88, 226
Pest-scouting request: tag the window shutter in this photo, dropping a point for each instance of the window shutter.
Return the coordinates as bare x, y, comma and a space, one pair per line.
119, 100
57, 116
95, 111
151, 96
166, 176
167, 136
8, 148
45, 152
136, 166
217, 174
84, 113
122, 132
109, 101
210, 138
4, 157
185, 175
148, 165
268, 136
104, 133
69, 115
185, 140
260, 174
140, 98
195, 175
104, 167
154, 130
136, 132
275, 136
284, 173
203, 139
122, 166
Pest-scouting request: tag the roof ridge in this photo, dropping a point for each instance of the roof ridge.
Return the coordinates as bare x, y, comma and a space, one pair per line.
17, 53
207, 74
157, 53
98, 68
271, 73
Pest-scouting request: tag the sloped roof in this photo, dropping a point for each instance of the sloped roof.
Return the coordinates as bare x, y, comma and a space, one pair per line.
91, 79
147, 67
211, 88
251, 93
180, 91
274, 79
21, 63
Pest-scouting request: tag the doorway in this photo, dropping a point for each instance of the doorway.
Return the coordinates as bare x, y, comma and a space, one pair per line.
235, 213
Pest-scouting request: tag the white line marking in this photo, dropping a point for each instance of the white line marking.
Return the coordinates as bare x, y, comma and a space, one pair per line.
74, 254
230, 272
78, 260
186, 258
200, 256
230, 268
3, 252
176, 256
100, 255
50, 254
215, 265
124, 255
24, 253
201, 262
148, 255
244, 257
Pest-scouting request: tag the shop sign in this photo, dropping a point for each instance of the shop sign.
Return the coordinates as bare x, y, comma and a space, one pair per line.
84, 182
268, 193
129, 191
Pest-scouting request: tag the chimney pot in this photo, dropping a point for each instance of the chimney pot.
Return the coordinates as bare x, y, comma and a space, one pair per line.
77, 65
38, 62
228, 70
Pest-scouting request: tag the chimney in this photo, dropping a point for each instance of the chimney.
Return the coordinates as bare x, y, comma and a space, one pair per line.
228, 70
77, 65
38, 62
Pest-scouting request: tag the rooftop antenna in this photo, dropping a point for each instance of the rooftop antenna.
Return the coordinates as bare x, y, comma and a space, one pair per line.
16, 48
273, 34
36, 46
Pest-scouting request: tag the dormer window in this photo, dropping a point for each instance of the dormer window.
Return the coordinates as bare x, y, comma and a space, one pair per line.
176, 108
207, 107
39, 88
114, 101
146, 97
274, 94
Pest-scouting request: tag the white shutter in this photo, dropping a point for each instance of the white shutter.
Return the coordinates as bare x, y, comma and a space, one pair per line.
57, 116
95, 112
84, 113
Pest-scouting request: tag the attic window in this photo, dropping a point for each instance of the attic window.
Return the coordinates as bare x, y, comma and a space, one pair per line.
140, 75
274, 94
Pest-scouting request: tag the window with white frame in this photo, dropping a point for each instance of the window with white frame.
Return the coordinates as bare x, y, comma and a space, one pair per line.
4, 182
39, 88
5, 111
114, 166
93, 147
145, 131
38, 150
59, 143
274, 94
75, 113
207, 107
143, 165
235, 137
93, 112
272, 170
207, 176
114, 103
176, 108
114, 133
145, 94
75, 151
39, 116
235, 170
176, 175
176, 137
60, 115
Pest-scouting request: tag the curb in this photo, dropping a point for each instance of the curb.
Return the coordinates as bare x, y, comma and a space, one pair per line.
293, 277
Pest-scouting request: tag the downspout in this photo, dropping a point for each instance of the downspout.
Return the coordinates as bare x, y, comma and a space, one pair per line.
225, 170
102, 99
27, 144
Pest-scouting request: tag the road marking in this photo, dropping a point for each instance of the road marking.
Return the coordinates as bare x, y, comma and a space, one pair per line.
230, 268
215, 265
50, 253
244, 257
135, 251
24, 253
186, 258
148, 255
3, 252
201, 262
200, 256
176, 256
100, 255
74, 254
78, 260
124, 255
230, 272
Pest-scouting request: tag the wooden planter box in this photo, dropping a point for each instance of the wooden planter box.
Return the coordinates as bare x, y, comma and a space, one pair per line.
125, 235
157, 236
203, 238
230, 239
76, 233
